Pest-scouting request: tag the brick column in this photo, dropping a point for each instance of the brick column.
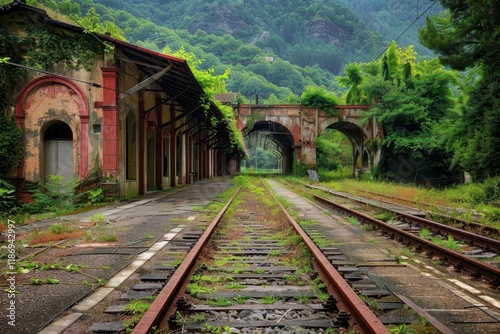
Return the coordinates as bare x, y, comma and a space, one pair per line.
110, 124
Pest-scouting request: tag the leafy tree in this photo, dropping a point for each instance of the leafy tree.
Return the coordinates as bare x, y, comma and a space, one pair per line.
292, 99
260, 158
352, 81
412, 101
467, 37
272, 99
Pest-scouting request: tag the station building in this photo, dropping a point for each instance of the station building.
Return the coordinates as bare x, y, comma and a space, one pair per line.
131, 119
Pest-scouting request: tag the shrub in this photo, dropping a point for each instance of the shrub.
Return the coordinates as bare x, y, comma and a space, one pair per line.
58, 196
7, 198
321, 98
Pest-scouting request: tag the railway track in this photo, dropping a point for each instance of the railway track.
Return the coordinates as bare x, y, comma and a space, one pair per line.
254, 269
253, 278
257, 268
460, 261
445, 217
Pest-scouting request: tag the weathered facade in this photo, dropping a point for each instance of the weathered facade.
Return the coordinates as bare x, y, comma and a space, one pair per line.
133, 118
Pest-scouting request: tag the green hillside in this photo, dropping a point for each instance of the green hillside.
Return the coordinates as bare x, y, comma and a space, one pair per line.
271, 47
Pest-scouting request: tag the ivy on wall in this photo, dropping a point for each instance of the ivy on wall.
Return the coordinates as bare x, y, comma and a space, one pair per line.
41, 46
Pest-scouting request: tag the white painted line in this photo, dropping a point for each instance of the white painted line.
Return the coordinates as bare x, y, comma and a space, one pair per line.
145, 256
465, 286
454, 310
465, 297
434, 270
92, 300
62, 324
490, 300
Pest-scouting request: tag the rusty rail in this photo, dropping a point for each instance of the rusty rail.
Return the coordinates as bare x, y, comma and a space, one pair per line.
163, 306
364, 319
453, 220
469, 237
476, 268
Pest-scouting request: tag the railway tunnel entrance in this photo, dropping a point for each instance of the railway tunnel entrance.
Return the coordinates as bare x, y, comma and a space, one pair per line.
270, 148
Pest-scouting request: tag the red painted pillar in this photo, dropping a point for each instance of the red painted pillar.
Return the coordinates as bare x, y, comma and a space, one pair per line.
110, 124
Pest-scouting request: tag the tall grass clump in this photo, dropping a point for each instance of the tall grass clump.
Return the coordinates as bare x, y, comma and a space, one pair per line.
337, 174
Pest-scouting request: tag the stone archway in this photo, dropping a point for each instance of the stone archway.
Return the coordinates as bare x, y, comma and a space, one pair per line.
356, 136
50, 88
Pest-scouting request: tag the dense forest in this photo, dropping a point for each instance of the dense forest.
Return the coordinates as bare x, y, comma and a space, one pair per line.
271, 47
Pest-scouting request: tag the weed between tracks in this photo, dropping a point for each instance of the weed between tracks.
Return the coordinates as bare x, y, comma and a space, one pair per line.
252, 204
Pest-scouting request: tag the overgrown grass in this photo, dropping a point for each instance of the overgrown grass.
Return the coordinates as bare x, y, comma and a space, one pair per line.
449, 243
56, 232
481, 197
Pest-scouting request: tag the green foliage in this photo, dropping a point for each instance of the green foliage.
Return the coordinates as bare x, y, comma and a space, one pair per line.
96, 196
401, 329
7, 198
466, 36
314, 96
338, 174
98, 218
424, 233
106, 238
333, 150
220, 301
299, 168
136, 307
57, 197
450, 242
261, 159
60, 229
414, 100
252, 72
11, 139
42, 45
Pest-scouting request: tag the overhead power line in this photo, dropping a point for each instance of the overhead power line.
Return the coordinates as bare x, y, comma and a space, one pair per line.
409, 26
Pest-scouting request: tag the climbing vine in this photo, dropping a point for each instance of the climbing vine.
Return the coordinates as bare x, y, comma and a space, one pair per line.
41, 46
10, 145
252, 119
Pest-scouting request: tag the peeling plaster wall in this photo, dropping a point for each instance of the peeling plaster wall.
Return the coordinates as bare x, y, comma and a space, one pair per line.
54, 100
45, 104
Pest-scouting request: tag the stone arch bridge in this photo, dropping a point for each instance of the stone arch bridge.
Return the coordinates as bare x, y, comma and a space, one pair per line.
290, 131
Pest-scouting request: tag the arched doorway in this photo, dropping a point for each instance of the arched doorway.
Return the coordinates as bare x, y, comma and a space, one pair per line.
58, 151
